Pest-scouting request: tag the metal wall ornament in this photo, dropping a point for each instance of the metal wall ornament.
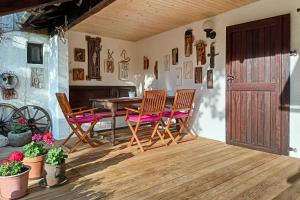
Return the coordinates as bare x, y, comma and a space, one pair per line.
8, 83
37, 77
210, 79
109, 63
201, 52
124, 66
175, 56
188, 42
167, 62
178, 75
146, 63
94, 48
156, 70
79, 55
212, 55
78, 74
188, 70
198, 75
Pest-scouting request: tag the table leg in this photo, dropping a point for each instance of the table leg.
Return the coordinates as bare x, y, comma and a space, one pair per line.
113, 126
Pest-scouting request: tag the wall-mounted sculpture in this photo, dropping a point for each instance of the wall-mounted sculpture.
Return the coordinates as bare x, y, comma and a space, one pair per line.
8, 83
109, 63
146, 63
188, 42
178, 75
94, 48
210, 79
201, 52
188, 70
198, 75
37, 77
212, 55
124, 66
156, 70
78, 74
79, 55
175, 56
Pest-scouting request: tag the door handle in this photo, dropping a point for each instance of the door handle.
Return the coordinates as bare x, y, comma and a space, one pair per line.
230, 77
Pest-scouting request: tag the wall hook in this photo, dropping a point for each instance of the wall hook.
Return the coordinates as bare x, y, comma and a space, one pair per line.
293, 53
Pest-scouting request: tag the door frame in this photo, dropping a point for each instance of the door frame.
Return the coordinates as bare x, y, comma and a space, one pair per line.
284, 81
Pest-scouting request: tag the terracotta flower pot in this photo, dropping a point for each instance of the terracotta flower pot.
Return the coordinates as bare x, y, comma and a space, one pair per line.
37, 166
54, 175
14, 187
19, 139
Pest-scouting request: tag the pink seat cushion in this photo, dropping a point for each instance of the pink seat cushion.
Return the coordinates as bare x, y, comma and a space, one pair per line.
88, 118
144, 118
176, 114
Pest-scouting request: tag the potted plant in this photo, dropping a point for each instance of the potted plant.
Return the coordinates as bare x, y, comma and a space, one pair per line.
131, 93
20, 134
14, 177
55, 167
35, 153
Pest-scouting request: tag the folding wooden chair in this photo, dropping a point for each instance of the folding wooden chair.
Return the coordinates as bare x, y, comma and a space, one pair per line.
180, 111
75, 121
150, 113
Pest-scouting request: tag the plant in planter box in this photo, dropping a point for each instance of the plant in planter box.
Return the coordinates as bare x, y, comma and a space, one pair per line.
14, 176
35, 153
20, 134
55, 167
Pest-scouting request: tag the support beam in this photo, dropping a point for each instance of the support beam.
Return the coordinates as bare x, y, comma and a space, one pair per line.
12, 6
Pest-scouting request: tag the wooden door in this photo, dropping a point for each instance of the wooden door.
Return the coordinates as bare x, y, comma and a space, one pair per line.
257, 93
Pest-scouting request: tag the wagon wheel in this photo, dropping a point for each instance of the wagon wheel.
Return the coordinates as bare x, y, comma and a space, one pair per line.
37, 118
6, 111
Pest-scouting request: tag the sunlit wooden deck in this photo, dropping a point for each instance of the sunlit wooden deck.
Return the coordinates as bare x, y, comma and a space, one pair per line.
198, 169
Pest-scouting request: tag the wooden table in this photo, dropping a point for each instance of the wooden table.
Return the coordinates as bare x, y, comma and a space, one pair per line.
115, 104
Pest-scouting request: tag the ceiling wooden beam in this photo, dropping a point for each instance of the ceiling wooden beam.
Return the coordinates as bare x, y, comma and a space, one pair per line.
92, 11
13, 6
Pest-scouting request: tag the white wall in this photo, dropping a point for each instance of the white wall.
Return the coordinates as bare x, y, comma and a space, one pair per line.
209, 113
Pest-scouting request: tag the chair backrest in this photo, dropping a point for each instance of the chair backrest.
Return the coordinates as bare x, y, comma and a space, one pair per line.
64, 103
153, 102
184, 100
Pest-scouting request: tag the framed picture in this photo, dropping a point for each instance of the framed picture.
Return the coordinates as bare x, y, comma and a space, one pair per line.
188, 70
34, 53
198, 75
79, 55
37, 78
175, 56
178, 74
167, 62
78, 74
210, 79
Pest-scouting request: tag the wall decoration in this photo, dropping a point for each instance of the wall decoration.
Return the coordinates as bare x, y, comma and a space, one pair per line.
35, 53
79, 55
198, 75
37, 77
109, 63
178, 74
78, 74
210, 79
94, 48
188, 42
167, 62
156, 70
146, 63
201, 52
124, 66
212, 55
175, 56
188, 70
8, 83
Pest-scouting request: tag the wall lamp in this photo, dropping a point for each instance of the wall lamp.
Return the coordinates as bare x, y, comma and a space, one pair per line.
208, 27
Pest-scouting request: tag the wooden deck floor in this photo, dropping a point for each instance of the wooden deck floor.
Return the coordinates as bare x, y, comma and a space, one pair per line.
198, 169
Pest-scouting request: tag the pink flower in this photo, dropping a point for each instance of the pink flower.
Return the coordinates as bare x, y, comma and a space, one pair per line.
36, 137
4, 162
48, 138
21, 121
16, 156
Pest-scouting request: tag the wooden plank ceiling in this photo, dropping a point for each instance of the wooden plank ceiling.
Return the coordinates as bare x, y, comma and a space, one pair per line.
134, 20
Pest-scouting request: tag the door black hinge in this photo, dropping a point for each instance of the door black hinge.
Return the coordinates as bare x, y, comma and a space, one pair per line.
293, 149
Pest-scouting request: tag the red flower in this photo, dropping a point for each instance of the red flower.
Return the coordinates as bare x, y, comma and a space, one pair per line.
47, 136
21, 121
4, 162
16, 156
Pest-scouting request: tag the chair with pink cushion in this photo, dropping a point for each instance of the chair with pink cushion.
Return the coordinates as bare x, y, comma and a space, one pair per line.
150, 112
76, 120
180, 112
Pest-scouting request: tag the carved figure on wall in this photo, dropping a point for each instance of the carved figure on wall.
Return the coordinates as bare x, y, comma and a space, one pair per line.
124, 66
201, 52
188, 70
156, 70
37, 78
146, 63
178, 74
8, 83
78, 74
109, 63
210, 79
212, 55
79, 55
175, 56
94, 48
167, 62
188, 42
198, 75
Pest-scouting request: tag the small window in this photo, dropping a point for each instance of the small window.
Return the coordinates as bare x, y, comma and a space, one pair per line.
34, 53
